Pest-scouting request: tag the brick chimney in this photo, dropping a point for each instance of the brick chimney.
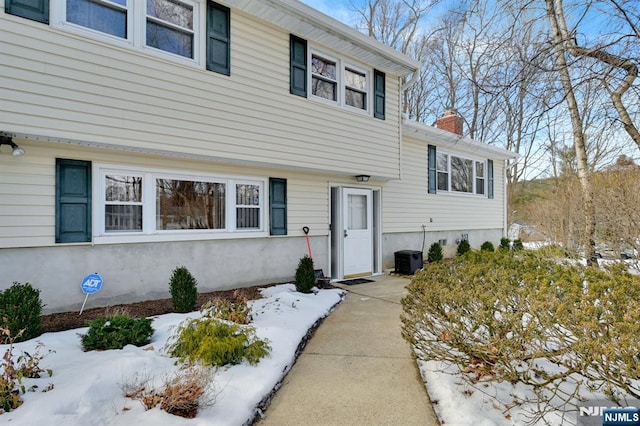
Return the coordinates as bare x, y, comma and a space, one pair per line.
451, 122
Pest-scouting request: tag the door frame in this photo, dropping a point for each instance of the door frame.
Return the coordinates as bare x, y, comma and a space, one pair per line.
336, 225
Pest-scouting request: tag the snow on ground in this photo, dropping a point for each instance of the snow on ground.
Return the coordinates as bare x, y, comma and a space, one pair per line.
87, 386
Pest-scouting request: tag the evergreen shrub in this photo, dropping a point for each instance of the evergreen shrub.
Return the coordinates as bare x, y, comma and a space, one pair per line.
305, 275
517, 245
116, 332
435, 253
487, 246
21, 309
505, 243
463, 248
182, 287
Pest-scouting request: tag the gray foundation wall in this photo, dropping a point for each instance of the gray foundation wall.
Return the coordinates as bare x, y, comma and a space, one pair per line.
137, 272
393, 242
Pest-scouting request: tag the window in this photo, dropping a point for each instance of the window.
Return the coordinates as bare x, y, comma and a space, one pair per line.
447, 172
36, 10
355, 90
324, 81
163, 27
123, 203
188, 204
150, 202
106, 16
169, 26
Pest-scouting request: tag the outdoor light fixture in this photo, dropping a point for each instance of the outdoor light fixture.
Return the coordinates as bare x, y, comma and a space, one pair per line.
363, 178
7, 140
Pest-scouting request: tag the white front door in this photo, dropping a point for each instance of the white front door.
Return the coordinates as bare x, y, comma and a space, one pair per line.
358, 232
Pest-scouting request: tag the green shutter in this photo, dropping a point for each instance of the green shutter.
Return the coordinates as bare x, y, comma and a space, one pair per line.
490, 173
298, 66
278, 206
433, 172
218, 38
73, 201
36, 10
378, 94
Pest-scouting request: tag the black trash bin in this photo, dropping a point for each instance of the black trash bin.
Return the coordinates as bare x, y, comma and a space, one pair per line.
407, 262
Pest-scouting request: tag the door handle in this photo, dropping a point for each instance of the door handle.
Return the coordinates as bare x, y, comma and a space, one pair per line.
345, 233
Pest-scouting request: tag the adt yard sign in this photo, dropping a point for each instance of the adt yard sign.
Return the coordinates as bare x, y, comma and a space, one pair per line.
91, 284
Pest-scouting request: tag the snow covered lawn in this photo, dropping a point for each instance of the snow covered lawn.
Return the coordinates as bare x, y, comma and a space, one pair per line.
87, 386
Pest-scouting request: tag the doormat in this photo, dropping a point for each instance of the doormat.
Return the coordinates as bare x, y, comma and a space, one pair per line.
356, 281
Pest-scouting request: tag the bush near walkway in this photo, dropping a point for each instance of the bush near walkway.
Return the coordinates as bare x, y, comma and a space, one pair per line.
529, 317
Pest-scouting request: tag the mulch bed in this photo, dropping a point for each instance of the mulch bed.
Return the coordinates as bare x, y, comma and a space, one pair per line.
70, 320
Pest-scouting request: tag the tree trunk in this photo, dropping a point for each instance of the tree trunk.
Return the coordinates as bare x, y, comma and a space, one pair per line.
555, 13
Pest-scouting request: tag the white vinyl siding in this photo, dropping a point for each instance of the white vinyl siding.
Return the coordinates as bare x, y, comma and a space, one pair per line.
27, 192
102, 93
407, 205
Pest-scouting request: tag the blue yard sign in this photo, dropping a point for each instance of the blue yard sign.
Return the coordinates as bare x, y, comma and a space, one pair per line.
91, 284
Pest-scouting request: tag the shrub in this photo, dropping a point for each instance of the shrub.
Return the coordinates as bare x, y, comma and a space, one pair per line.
116, 332
505, 243
529, 317
183, 290
214, 342
487, 246
463, 248
182, 395
21, 309
305, 275
235, 310
435, 253
517, 245
14, 370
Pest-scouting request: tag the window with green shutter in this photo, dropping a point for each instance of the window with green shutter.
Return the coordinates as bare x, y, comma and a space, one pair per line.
36, 10
218, 38
298, 66
277, 206
73, 201
378, 94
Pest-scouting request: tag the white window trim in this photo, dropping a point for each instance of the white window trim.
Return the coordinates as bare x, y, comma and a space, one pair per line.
136, 30
475, 160
341, 65
149, 232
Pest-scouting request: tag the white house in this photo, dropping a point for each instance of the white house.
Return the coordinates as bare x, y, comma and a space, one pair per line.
167, 133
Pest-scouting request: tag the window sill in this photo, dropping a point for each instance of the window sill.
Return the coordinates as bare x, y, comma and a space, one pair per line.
174, 236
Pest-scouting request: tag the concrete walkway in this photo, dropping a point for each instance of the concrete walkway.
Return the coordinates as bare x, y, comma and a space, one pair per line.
356, 369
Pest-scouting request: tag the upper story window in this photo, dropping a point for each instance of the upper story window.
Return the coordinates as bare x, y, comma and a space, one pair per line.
334, 79
106, 16
169, 27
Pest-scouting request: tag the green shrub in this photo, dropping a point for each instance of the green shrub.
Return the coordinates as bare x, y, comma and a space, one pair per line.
305, 275
435, 253
215, 342
487, 246
183, 290
505, 243
529, 317
116, 332
21, 309
517, 245
463, 248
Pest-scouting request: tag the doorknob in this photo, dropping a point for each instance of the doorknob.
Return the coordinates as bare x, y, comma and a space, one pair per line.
345, 233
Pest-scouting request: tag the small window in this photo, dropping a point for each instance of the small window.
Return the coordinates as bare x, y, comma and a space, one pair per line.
123, 203
355, 90
480, 178
324, 78
442, 242
106, 16
443, 171
247, 206
170, 26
